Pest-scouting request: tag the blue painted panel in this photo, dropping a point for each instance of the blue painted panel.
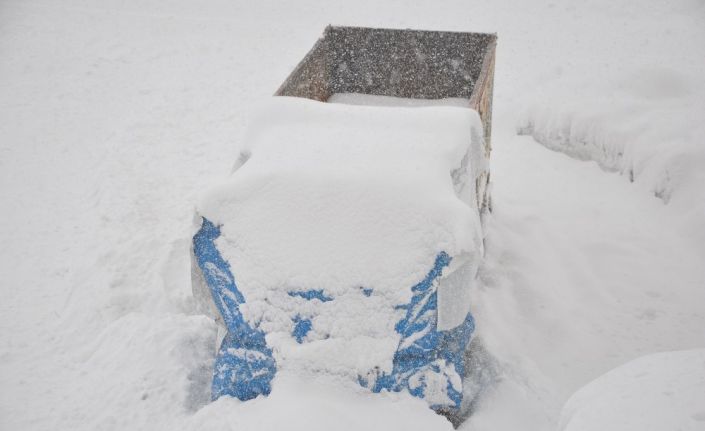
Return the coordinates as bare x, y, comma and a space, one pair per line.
425, 353
424, 358
244, 366
243, 370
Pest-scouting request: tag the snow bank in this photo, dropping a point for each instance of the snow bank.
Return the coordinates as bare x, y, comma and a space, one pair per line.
318, 403
339, 228
662, 391
582, 273
645, 123
375, 100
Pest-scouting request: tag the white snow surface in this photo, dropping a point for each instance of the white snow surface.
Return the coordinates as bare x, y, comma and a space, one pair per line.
655, 392
337, 198
115, 115
644, 123
375, 100
302, 403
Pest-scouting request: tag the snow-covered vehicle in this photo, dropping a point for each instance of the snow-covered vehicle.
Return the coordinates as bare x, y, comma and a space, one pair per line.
347, 239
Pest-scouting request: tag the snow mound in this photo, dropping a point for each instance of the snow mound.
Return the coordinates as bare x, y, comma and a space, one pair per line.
645, 123
336, 238
662, 391
318, 403
375, 100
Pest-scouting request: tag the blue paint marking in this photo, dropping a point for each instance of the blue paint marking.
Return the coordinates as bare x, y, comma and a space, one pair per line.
310, 295
243, 371
244, 366
423, 350
301, 328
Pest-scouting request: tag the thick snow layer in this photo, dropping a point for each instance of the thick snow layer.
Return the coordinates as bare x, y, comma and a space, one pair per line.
644, 123
333, 214
114, 115
590, 269
374, 100
342, 196
662, 391
315, 402
638, 114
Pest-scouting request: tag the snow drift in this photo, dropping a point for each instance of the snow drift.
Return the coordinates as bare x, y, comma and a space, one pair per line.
644, 123
655, 392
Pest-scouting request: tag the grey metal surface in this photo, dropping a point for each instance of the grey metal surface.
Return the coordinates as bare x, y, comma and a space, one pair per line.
405, 63
402, 63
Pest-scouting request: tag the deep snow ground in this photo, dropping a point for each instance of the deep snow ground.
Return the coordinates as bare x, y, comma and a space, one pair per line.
589, 270
653, 392
115, 115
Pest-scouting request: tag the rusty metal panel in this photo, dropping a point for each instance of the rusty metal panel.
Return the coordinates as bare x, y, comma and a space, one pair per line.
311, 77
481, 99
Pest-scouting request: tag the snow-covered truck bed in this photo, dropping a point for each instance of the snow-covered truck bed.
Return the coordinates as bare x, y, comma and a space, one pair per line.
347, 240
402, 64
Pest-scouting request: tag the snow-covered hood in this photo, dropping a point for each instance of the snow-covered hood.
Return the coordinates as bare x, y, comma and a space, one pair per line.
334, 212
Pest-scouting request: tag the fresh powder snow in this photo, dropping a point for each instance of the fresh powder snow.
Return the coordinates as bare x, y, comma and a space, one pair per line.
333, 214
655, 392
115, 117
